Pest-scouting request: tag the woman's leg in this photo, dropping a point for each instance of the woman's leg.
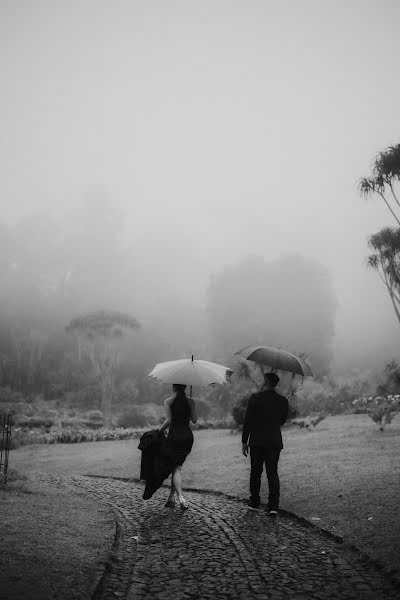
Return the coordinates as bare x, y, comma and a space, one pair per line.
171, 498
177, 481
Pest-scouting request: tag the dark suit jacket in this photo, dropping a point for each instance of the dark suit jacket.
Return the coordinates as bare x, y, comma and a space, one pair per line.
266, 412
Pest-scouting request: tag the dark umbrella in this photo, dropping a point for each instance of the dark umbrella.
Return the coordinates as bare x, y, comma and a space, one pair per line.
277, 359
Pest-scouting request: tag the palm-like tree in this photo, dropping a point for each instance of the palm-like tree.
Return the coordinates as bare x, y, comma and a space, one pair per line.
385, 260
385, 245
385, 177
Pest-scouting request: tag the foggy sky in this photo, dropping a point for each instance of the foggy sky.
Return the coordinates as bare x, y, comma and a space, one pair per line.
220, 128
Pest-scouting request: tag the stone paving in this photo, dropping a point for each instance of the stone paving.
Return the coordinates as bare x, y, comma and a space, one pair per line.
220, 549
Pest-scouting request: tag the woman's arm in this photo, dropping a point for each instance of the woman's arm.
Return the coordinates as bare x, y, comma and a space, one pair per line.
193, 413
168, 415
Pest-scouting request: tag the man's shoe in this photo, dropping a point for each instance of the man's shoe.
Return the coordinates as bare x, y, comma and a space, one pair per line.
273, 512
252, 504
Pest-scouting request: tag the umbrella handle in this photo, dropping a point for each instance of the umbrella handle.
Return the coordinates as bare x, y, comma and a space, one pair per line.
191, 386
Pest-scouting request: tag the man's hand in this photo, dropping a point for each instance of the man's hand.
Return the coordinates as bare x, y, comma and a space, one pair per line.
245, 449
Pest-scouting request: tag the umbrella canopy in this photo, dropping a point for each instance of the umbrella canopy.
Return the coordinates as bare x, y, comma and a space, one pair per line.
199, 373
276, 359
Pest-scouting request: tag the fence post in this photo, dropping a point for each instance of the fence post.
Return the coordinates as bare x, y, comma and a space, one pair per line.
5, 442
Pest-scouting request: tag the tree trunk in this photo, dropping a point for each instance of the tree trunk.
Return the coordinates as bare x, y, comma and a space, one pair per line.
107, 393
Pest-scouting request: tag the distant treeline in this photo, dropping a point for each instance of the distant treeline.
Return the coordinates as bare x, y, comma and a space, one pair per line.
52, 271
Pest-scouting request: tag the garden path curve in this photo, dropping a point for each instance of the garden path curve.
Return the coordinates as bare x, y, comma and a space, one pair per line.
220, 549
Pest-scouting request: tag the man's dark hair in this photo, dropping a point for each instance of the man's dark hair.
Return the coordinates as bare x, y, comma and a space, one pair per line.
179, 387
272, 379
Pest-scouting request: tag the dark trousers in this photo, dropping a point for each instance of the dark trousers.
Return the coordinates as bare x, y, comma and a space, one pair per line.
270, 457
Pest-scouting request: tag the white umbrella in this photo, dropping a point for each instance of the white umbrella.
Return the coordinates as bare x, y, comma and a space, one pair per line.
186, 371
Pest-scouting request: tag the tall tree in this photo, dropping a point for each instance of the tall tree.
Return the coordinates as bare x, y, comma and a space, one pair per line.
288, 303
99, 336
385, 260
385, 244
384, 180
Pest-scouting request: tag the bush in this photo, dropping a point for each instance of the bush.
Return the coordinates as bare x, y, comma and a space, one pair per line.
69, 435
38, 421
239, 410
381, 409
141, 416
201, 424
7, 395
390, 382
95, 417
77, 423
203, 408
75, 435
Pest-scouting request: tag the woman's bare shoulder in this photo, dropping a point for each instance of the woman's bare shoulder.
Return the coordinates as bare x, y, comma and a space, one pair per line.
168, 401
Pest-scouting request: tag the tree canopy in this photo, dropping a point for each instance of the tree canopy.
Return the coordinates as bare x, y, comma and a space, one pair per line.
107, 324
287, 303
384, 180
385, 244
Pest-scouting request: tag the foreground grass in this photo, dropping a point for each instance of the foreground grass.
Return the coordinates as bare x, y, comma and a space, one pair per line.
338, 476
51, 546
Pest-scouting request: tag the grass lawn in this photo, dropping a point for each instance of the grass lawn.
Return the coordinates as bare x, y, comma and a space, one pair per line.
339, 475
51, 546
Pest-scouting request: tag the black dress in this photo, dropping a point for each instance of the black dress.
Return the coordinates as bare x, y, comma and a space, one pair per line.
180, 436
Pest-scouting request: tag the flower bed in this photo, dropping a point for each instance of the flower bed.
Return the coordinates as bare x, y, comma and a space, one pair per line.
73, 435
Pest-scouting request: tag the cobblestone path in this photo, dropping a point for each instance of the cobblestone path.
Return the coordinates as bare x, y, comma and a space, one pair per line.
220, 549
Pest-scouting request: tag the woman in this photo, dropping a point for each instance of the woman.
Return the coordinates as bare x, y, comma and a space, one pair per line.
179, 410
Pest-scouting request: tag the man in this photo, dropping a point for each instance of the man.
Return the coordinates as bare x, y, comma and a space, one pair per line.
266, 412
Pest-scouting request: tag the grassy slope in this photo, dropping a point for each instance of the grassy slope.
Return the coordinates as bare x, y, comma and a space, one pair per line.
51, 546
342, 473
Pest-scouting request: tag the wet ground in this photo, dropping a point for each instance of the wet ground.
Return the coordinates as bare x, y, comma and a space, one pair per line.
220, 549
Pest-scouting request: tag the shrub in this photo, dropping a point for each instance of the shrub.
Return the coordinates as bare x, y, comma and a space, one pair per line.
7, 395
293, 410
390, 381
37, 421
141, 416
332, 395
74, 435
75, 423
239, 410
95, 417
203, 408
71, 435
226, 423
381, 409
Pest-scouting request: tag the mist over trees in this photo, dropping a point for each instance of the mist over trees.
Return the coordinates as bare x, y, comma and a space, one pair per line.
288, 303
55, 270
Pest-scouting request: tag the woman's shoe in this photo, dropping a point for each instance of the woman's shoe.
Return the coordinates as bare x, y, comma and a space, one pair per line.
170, 503
183, 504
